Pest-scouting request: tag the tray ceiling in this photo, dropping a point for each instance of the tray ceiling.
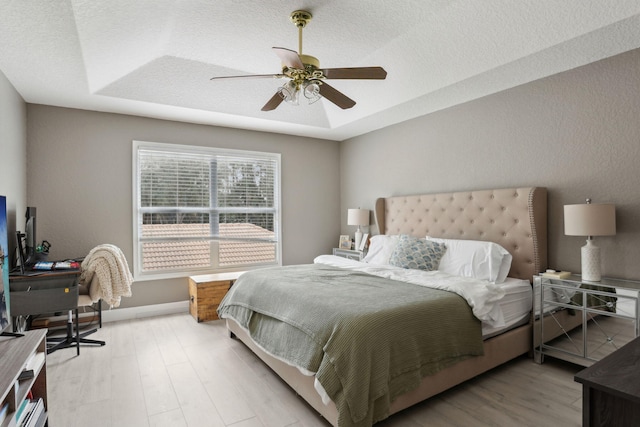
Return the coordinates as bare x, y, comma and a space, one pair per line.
154, 58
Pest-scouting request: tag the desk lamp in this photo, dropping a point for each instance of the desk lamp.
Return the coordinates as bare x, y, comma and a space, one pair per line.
590, 220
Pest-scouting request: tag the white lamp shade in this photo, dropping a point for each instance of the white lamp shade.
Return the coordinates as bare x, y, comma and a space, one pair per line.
590, 219
358, 217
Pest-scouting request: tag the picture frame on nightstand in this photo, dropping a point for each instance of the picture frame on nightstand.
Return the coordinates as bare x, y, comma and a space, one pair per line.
345, 241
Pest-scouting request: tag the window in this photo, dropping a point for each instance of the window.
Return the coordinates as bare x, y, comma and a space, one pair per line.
199, 209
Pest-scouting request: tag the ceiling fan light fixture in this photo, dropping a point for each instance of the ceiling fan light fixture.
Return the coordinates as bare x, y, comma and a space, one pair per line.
311, 91
289, 93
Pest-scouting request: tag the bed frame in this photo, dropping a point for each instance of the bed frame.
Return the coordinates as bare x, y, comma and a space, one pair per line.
515, 218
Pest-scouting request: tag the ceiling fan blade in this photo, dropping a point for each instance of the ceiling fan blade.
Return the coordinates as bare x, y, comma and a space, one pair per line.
377, 73
289, 57
273, 103
250, 76
338, 98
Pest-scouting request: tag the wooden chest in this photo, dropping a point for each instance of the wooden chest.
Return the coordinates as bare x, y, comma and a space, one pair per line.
206, 293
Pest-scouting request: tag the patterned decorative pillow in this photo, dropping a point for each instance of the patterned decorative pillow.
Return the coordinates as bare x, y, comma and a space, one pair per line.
417, 254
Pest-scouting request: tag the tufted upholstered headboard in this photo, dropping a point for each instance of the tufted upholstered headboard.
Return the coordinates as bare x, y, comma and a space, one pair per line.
515, 218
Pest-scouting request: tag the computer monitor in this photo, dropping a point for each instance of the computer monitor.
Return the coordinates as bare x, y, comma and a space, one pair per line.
5, 311
30, 241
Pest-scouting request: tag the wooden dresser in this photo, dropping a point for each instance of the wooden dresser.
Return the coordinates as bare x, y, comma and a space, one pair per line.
611, 389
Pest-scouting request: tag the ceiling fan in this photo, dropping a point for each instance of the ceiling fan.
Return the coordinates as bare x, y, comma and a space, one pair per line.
305, 75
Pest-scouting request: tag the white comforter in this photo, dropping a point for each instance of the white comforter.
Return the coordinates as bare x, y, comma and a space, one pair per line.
481, 295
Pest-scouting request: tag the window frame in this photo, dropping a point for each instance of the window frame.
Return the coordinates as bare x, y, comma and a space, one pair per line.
138, 272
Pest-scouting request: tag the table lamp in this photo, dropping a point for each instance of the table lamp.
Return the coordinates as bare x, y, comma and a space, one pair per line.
590, 220
358, 217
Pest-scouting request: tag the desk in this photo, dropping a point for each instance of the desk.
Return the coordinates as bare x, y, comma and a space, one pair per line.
49, 292
611, 389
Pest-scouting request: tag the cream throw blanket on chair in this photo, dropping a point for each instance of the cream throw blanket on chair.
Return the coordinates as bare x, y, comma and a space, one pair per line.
106, 272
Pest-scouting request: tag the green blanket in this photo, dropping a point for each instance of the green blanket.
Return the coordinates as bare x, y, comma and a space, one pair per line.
366, 338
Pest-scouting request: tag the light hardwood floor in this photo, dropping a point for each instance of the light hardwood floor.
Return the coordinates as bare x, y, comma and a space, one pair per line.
172, 371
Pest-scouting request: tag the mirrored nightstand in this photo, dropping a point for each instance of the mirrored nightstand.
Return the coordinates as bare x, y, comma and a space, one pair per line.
583, 321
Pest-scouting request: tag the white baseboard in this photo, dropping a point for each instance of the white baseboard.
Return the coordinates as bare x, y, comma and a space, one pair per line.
115, 314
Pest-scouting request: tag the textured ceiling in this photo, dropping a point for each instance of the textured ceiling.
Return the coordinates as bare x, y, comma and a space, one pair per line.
154, 58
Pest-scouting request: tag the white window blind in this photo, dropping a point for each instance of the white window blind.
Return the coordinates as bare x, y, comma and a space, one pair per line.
203, 209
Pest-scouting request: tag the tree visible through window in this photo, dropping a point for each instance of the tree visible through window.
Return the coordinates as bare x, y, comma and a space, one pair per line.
202, 209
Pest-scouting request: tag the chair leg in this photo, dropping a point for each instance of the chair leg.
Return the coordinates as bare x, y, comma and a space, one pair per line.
71, 339
67, 340
81, 335
83, 340
77, 331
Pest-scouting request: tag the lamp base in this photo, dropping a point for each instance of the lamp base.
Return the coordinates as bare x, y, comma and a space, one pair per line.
358, 238
590, 262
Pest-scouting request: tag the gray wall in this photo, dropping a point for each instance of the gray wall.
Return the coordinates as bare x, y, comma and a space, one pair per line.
576, 133
13, 158
80, 180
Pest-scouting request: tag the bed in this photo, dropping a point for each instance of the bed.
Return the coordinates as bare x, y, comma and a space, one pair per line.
514, 218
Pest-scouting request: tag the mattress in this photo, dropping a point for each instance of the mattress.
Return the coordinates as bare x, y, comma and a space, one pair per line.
516, 306
500, 313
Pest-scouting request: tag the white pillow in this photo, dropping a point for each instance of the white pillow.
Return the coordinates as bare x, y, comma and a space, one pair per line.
475, 258
380, 249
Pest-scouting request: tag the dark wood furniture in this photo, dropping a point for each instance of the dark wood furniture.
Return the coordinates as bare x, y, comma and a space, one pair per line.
611, 389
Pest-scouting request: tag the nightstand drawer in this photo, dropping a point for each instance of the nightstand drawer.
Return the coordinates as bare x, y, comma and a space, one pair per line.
349, 254
206, 293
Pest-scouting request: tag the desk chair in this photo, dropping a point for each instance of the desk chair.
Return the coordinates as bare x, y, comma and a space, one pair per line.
87, 298
85, 301
106, 271
105, 276
70, 340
